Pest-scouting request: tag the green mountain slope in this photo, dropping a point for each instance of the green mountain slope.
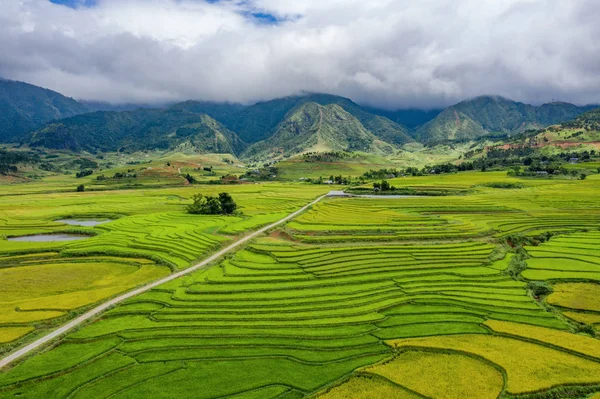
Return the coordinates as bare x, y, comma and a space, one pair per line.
259, 121
24, 107
589, 121
137, 130
314, 127
410, 118
492, 116
225, 113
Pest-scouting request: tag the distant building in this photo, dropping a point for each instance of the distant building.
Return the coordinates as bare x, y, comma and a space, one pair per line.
542, 173
573, 160
328, 182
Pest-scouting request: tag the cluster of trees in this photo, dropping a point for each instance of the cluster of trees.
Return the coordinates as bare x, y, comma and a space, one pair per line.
119, 175
331, 156
208, 205
384, 185
83, 173
10, 159
513, 158
382, 174
263, 174
340, 179
191, 179
526, 156
550, 169
427, 170
333, 179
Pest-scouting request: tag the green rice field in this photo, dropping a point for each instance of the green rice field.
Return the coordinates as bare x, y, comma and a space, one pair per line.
423, 297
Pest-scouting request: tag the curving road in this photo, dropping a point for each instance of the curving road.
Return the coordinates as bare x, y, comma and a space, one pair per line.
101, 308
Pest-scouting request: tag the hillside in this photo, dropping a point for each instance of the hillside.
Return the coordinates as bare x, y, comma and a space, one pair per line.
259, 121
138, 130
589, 121
410, 118
581, 133
24, 107
314, 127
493, 116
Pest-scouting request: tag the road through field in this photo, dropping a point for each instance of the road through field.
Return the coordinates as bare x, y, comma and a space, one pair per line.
101, 308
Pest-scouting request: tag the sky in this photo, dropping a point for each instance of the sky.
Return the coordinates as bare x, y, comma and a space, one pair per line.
385, 53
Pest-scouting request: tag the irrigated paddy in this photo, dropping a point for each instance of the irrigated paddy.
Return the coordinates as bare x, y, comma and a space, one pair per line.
49, 238
394, 298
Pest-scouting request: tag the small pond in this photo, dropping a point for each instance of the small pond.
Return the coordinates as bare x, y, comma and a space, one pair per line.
86, 222
50, 237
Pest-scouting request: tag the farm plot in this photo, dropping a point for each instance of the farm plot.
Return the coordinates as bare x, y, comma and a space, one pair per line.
43, 283
573, 256
435, 218
355, 298
529, 367
291, 310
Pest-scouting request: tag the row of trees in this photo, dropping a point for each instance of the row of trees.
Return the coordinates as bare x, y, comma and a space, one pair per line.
83, 173
330, 156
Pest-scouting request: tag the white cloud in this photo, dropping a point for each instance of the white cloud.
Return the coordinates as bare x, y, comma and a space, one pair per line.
381, 52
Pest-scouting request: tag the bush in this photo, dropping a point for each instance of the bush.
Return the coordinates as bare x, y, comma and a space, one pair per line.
539, 288
516, 266
80, 188
206, 205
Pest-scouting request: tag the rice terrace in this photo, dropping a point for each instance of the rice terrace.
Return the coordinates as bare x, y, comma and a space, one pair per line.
355, 297
211, 199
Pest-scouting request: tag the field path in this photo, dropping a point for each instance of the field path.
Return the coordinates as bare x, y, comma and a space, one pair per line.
101, 308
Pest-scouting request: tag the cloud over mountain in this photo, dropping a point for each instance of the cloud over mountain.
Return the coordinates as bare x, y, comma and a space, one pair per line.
380, 52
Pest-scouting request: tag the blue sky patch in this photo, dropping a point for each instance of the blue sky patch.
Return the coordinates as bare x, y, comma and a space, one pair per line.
75, 3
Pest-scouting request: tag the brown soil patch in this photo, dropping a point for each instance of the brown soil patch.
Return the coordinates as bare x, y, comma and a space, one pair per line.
281, 235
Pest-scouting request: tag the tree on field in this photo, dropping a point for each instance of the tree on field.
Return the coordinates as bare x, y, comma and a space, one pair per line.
80, 188
191, 179
228, 205
207, 205
582, 176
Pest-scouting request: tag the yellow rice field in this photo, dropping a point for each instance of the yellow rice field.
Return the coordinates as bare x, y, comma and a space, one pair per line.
442, 375
529, 367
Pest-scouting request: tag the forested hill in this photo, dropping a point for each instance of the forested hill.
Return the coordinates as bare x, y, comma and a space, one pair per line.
493, 116
24, 107
314, 127
260, 121
138, 130
41, 117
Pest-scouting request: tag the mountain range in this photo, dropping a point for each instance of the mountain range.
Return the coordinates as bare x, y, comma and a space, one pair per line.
279, 127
